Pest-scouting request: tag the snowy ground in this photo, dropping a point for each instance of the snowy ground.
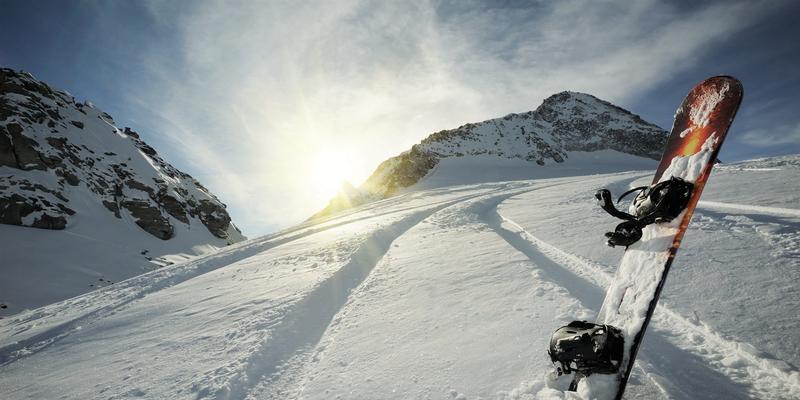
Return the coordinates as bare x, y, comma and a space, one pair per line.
443, 292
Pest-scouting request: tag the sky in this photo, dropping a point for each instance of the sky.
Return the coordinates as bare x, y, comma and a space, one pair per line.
271, 104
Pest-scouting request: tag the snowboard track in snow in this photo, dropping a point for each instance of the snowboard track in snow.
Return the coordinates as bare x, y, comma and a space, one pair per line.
117, 297
720, 363
310, 317
315, 312
679, 352
749, 209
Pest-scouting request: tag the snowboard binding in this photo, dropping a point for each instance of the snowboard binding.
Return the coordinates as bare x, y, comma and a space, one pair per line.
586, 348
661, 202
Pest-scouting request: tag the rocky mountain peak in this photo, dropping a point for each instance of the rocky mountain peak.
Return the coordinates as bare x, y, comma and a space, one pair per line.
58, 155
569, 105
565, 123
108, 205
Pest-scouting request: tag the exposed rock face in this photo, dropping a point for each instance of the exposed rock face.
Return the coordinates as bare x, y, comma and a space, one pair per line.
54, 150
403, 170
149, 218
214, 218
565, 122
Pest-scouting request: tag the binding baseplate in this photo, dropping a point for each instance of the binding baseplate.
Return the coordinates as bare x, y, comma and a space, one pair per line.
658, 203
586, 348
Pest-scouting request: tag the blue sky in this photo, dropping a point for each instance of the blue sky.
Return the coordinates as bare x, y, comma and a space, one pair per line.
265, 102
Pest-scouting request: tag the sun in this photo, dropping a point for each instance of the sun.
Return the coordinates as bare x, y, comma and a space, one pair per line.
329, 170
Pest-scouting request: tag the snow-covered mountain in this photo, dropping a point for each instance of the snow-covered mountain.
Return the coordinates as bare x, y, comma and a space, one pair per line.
449, 290
107, 206
565, 126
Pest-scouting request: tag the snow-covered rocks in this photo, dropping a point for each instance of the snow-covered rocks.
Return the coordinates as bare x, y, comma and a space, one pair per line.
54, 146
565, 125
67, 166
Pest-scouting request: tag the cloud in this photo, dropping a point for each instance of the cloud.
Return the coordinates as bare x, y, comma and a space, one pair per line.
615, 50
784, 135
264, 87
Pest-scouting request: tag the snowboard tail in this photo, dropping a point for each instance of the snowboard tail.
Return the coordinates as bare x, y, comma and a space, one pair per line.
700, 127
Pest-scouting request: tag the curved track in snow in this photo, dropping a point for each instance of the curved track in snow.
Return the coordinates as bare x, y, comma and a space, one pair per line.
737, 369
749, 209
671, 332
443, 293
21, 338
280, 375
314, 313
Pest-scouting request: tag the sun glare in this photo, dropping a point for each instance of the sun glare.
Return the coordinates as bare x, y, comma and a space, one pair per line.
329, 170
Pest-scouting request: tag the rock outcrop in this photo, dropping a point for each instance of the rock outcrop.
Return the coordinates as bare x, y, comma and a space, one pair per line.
565, 122
54, 150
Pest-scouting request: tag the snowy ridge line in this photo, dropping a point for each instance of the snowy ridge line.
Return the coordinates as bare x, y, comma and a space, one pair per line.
746, 208
83, 309
312, 315
767, 375
401, 196
340, 217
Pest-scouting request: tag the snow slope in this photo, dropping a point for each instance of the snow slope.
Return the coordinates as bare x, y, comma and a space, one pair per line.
564, 129
85, 203
449, 290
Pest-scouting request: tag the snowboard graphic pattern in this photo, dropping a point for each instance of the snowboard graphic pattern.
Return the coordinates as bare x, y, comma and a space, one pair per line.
700, 126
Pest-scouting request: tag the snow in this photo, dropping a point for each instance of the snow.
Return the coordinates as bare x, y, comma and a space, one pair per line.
46, 265
95, 249
449, 290
486, 168
689, 167
706, 103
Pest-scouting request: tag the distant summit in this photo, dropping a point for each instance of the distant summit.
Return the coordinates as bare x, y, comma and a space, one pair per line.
66, 166
564, 123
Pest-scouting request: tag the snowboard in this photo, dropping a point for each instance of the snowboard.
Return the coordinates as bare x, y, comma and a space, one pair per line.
699, 129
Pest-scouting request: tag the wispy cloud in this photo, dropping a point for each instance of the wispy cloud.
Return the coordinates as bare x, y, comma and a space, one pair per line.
263, 87
784, 135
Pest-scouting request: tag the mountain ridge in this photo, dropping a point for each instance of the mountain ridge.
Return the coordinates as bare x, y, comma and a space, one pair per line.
35, 136
107, 206
564, 123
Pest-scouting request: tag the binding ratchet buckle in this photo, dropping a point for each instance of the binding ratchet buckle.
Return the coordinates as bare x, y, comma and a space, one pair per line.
661, 202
